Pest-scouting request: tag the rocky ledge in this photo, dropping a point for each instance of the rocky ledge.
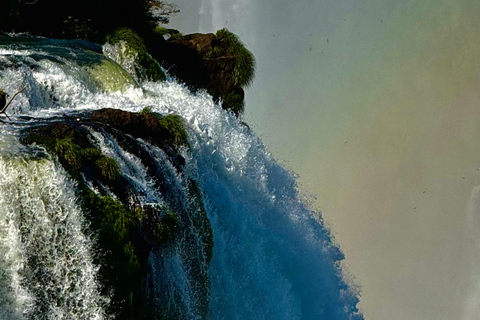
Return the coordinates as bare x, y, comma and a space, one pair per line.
128, 232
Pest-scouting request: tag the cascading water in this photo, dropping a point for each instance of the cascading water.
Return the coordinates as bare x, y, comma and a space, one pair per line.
272, 257
47, 256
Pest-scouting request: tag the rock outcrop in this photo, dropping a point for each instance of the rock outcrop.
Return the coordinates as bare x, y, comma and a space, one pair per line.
128, 231
216, 62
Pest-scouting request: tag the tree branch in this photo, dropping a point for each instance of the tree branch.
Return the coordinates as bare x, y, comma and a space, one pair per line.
8, 104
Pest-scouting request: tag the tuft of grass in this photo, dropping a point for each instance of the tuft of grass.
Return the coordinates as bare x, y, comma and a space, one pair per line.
244, 70
174, 125
108, 168
68, 152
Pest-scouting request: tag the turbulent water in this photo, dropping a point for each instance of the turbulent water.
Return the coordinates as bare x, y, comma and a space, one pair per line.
272, 257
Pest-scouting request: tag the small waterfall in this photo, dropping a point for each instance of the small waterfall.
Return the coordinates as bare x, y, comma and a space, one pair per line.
272, 257
46, 265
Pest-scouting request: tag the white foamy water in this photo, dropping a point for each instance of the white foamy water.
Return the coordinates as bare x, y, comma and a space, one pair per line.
46, 261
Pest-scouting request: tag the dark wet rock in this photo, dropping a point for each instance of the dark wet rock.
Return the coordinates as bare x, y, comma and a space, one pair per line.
128, 233
207, 61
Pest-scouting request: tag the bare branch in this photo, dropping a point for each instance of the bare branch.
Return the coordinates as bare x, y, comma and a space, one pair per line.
8, 104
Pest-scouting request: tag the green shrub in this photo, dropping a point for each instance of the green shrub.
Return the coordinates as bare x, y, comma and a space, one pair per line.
176, 36
174, 125
244, 70
216, 52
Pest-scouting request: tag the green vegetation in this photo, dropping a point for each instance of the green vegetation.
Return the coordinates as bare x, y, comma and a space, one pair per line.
110, 76
216, 52
68, 152
245, 61
200, 220
161, 30
174, 125
114, 223
167, 227
107, 167
122, 267
233, 101
91, 153
125, 234
172, 32
73, 157
146, 110
146, 66
176, 36
91, 20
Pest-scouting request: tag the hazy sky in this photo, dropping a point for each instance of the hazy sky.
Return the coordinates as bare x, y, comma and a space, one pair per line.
376, 105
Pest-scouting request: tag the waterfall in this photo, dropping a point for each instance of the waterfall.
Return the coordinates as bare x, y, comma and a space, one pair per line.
46, 261
273, 257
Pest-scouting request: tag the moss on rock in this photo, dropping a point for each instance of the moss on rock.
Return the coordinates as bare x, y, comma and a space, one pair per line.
107, 167
161, 130
174, 125
146, 67
68, 152
110, 76
167, 227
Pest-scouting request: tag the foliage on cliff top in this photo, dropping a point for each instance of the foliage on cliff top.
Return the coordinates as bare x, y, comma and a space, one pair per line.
245, 61
91, 20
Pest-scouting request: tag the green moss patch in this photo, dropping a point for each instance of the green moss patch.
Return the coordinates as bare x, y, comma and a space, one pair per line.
233, 101
146, 66
121, 267
167, 228
174, 125
107, 167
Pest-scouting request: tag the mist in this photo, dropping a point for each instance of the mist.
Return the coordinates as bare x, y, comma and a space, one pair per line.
375, 104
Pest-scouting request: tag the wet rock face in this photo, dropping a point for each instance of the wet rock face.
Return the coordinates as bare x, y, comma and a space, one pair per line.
136, 124
127, 230
203, 61
161, 130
